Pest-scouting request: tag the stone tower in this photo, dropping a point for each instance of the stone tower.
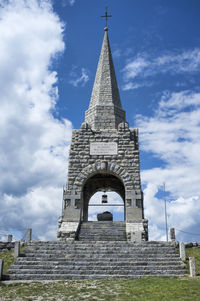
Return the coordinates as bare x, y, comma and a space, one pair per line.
104, 156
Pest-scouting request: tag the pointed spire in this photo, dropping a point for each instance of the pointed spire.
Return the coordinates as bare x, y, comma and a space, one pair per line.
105, 110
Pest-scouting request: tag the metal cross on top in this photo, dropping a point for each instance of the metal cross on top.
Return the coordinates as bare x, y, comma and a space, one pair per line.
106, 17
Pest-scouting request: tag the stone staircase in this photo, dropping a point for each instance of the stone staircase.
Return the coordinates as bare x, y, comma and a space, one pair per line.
102, 231
98, 260
100, 253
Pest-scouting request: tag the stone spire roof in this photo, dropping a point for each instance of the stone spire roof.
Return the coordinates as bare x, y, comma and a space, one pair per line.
105, 110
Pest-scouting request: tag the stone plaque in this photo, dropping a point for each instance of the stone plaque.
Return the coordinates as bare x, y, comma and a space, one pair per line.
103, 148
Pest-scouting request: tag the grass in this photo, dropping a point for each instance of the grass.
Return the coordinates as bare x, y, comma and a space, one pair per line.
194, 252
146, 289
8, 258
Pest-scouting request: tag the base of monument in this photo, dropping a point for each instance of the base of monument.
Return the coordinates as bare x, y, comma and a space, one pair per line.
137, 231
67, 231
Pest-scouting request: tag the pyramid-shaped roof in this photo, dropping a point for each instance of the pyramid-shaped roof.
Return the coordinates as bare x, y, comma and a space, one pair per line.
105, 110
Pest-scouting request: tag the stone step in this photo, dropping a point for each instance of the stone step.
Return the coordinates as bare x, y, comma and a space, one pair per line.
104, 254
103, 249
102, 231
100, 224
106, 246
96, 243
106, 251
103, 228
102, 237
97, 255
86, 265
97, 276
99, 247
87, 271
98, 260
109, 253
114, 230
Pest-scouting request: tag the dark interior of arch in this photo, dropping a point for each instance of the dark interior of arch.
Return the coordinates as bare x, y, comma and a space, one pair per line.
100, 182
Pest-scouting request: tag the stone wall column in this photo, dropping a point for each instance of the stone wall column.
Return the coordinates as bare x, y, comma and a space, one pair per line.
182, 250
17, 249
192, 266
10, 237
172, 235
1, 269
29, 235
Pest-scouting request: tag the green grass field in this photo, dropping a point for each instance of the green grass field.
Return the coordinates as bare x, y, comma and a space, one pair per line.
147, 289
194, 252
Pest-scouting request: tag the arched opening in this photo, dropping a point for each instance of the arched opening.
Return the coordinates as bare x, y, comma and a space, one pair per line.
115, 205
101, 182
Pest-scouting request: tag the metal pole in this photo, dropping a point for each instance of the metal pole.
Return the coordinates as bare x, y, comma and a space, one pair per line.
166, 226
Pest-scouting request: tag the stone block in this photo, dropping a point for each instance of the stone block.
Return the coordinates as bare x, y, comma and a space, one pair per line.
182, 250
71, 214
136, 236
1, 269
17, 249
134, 227
192, 266
10, 237
133, 214
172, 235
68, 227
29, 235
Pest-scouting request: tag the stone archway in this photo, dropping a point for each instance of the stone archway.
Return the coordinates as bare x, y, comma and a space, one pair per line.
101, 181
103, 168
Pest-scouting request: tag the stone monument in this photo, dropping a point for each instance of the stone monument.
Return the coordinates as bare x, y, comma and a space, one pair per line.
104, 155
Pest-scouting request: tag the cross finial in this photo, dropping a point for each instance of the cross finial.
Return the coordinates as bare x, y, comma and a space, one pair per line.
106, 18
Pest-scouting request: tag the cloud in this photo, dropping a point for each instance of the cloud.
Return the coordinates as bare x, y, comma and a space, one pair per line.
78, 79
71, 2
34, 143
117, 53
133, 86
173, 136
68, 2
143, 66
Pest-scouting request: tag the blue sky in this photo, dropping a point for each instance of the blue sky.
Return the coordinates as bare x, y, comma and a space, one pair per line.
48, 59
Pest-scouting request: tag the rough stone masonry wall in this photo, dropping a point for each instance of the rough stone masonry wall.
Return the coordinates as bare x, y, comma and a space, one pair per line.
104, 117
127, 158
124, 165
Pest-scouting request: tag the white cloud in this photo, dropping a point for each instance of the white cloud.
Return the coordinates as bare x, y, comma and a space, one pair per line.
117, 53
78, 79
34, 143
135, 67
144, 66
173, 135
133, 86
68, 2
